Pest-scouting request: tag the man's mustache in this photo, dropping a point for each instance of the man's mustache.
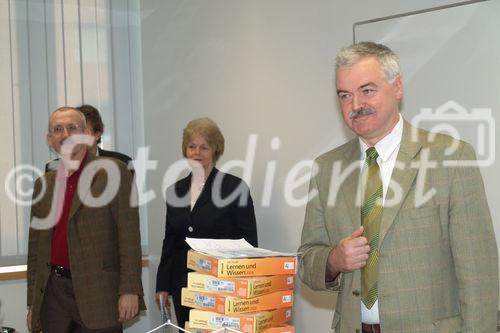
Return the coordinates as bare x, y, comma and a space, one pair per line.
361, 112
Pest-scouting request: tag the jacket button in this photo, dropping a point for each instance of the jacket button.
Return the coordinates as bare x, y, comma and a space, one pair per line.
190, 229
355, 292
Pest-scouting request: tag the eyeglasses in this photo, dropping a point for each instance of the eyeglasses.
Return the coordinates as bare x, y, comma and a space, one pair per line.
70, 128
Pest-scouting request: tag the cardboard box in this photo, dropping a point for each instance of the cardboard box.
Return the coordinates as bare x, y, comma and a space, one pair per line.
240, 267
279, 329
239, 287
255, 322
276, 329
230, 305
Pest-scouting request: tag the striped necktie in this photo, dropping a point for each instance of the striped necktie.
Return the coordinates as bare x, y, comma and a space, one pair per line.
371, 216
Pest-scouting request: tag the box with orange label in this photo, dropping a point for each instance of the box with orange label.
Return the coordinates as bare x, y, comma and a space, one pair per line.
278, 329
239, 287
255, 322
240, 267
230, 304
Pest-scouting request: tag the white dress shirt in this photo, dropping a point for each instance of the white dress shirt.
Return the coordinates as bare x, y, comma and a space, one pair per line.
387, 150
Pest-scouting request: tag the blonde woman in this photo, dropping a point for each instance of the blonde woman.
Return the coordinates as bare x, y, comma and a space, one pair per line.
206, 204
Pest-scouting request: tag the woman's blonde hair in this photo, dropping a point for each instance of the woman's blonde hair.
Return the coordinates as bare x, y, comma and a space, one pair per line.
207, 128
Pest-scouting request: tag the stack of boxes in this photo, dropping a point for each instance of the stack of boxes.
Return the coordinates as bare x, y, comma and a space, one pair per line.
251, 295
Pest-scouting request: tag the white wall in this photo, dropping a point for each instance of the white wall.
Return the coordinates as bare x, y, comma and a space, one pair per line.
263, 67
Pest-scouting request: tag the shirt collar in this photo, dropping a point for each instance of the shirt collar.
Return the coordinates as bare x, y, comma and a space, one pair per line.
388, 144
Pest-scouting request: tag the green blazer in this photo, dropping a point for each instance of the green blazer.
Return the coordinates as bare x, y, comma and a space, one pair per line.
438, 265
104, 248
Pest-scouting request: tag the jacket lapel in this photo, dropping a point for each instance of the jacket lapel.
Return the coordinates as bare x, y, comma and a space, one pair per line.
75, 204
77, 201
403, 175
350, 187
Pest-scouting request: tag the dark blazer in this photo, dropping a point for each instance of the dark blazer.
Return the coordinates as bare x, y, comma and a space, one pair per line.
104, 249
232, 220
52, 165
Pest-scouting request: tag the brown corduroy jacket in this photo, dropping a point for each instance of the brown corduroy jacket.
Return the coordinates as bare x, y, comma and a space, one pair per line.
104, 243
